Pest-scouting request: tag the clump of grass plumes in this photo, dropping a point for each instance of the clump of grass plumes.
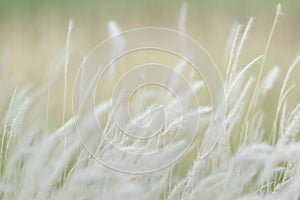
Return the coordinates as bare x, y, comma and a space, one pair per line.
250, 161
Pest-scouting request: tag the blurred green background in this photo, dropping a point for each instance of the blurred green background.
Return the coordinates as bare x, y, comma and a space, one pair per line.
35, 28
245, 7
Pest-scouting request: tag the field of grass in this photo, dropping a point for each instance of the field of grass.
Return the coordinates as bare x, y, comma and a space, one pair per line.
52, 147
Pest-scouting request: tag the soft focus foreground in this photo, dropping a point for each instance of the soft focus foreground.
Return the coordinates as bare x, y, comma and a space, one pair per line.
258, 151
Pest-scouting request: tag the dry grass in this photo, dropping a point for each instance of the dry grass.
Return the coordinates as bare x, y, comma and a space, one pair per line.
257, 156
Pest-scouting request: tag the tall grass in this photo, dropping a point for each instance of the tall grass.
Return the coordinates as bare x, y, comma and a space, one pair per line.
250, 161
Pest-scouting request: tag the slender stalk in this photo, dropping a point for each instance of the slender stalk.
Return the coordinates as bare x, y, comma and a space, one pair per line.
70, 27
261, 70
